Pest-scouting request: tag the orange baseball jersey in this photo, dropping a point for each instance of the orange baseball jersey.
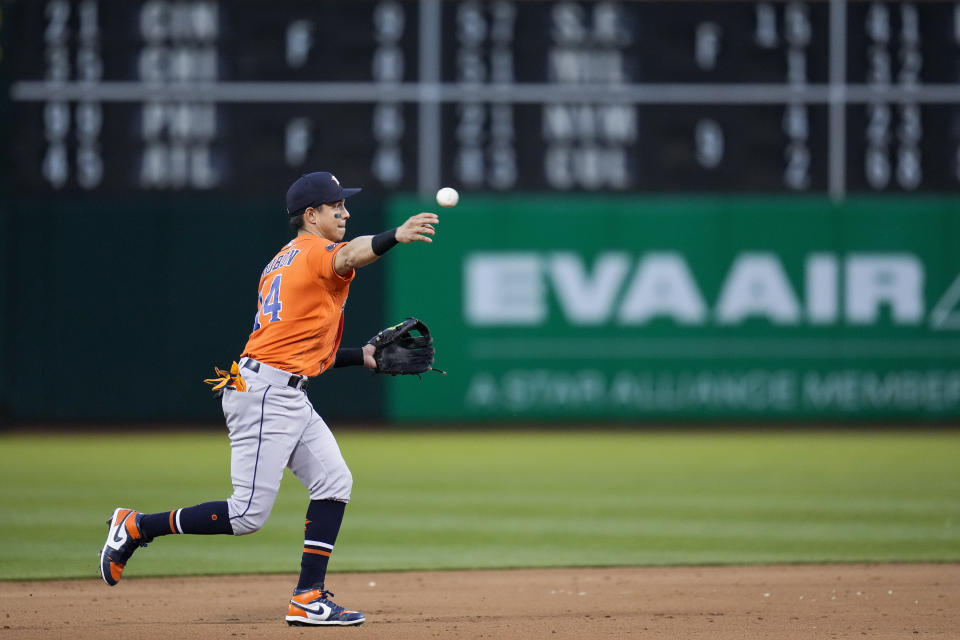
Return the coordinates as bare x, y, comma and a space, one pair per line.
299, 319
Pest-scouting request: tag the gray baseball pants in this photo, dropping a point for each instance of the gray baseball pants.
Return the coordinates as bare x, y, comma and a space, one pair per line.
272, 426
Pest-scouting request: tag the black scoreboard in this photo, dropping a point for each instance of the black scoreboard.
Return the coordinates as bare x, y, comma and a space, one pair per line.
821, 97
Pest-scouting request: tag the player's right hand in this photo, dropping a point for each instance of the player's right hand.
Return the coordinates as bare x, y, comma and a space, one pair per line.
417, 228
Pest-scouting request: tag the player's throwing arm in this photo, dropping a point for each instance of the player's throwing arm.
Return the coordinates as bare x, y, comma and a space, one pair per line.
363, 250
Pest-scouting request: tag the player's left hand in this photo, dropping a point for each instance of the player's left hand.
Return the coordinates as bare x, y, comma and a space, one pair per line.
368, 360
417, 228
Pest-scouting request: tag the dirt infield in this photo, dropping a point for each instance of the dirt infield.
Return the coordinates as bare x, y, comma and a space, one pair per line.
845, 601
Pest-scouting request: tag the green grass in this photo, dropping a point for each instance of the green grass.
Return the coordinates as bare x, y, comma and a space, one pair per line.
443, 500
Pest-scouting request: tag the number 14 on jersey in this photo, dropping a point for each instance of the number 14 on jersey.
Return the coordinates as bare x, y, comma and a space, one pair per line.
271, 304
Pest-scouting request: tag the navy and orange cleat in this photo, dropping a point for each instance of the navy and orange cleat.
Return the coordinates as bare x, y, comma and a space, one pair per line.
123, 538
313, 607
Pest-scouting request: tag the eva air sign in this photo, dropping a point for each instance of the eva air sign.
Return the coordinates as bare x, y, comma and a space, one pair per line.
513, 288
693, 308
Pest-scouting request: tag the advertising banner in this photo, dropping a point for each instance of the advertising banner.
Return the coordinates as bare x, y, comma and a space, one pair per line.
597, 308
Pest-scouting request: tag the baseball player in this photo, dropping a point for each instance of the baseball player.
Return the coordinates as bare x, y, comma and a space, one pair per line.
271, 422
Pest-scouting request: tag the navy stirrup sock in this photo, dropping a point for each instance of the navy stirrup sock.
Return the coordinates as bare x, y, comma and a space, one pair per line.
320, 534
208, 518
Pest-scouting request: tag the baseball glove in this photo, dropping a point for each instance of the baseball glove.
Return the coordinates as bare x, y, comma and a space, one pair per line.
398, 351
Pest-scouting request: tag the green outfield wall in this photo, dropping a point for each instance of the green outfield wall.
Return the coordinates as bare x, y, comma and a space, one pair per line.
117, 310
6, 240
594, 308
5, 249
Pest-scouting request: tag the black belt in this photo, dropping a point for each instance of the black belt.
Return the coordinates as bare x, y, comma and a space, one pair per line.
297, 382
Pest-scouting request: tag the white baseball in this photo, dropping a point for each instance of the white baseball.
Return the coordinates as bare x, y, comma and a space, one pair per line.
448, 197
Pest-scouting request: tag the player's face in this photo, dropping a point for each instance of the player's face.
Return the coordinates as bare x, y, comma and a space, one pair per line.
333, 219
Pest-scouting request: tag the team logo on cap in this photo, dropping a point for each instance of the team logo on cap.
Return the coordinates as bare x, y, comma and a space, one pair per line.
334, 178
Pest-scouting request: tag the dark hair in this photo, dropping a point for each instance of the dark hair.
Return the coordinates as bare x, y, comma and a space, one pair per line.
296, 222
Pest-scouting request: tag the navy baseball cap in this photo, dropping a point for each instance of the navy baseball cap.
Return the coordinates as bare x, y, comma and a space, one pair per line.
314, 189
